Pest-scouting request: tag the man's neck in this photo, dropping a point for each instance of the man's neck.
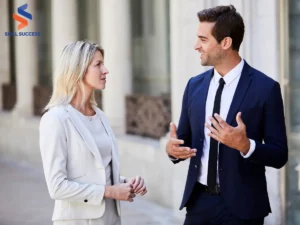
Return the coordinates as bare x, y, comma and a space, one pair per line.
227, 65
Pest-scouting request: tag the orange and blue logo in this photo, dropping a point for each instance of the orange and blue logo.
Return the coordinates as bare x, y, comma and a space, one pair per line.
22, 18
22, 21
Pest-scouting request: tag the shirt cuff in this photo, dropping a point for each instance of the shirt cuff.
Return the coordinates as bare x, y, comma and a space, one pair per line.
251, 150
172, 158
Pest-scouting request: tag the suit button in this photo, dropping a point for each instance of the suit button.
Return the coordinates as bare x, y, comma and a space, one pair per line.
196, 166
85, 200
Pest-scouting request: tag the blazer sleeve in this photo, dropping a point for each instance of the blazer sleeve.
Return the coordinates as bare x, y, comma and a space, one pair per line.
53, 147
274, 151
184, 129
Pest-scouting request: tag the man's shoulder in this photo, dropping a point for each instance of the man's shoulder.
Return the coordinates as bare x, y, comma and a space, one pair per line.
200, 77
258, 75
261, 77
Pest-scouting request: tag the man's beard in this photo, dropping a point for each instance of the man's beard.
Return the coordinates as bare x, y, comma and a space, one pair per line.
212, 60
206, 62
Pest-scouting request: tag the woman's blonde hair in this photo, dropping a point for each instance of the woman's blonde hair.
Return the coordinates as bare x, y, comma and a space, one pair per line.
68, 79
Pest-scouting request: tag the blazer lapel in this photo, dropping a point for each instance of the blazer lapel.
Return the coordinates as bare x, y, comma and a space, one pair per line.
201, 101
240, 92
85, 134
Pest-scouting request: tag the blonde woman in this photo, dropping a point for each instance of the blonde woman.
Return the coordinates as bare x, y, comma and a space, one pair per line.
78, 147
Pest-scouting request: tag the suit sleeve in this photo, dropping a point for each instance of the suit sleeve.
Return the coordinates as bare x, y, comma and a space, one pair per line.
274, 151
53, 147
184, 130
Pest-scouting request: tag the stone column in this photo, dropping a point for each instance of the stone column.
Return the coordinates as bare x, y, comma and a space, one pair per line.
64, 27
185, 63
26, 57
265, 57
4, 45
115, 36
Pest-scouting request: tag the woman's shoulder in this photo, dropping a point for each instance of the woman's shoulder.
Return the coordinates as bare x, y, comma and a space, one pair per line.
53, 122
58, 113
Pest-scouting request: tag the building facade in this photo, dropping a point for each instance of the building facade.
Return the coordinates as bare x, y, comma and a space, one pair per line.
149, 53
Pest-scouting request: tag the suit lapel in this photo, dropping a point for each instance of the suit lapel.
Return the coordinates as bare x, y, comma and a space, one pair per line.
240, 92
85, 134
201, 100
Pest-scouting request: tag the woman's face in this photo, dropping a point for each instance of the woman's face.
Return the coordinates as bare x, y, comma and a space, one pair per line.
95, 77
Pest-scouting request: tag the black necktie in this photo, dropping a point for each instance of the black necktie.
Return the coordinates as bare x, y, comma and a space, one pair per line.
213, 149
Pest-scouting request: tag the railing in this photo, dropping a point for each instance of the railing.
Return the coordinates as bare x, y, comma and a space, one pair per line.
148, 116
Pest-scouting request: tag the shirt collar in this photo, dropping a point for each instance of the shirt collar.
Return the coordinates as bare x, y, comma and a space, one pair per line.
231, 75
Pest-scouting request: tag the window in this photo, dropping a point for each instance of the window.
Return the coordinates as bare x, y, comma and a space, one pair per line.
294, 34
150, 47
43, 14
88, 20
293, 115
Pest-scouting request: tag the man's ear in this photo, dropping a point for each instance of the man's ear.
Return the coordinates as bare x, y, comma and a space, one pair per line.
226, 43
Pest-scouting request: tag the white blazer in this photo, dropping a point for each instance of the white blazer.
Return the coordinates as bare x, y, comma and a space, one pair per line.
73, 166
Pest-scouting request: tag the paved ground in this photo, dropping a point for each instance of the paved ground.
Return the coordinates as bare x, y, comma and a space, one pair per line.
25, 200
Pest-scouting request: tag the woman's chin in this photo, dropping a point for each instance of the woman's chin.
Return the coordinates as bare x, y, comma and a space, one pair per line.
100, 87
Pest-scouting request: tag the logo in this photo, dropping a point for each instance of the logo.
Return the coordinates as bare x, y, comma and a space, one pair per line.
22, 18
23, 22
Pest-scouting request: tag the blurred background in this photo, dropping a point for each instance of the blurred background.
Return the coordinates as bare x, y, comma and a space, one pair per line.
149, 52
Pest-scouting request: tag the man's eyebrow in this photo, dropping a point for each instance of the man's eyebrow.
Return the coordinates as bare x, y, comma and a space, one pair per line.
202, 37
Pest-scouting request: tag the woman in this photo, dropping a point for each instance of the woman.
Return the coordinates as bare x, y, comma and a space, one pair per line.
78, 147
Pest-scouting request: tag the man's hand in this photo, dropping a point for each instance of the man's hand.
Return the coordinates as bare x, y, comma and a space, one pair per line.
173, 149
233, 137
138, 185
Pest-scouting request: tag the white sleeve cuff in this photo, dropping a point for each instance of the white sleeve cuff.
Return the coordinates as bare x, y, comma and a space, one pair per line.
172, 158
251, 150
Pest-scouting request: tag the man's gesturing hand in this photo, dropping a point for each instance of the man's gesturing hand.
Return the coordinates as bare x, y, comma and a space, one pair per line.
233, 137
173, 149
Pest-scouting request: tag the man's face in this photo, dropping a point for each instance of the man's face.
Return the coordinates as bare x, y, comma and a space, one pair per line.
210, 51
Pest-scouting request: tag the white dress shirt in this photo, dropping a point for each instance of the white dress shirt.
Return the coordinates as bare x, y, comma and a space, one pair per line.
231, 81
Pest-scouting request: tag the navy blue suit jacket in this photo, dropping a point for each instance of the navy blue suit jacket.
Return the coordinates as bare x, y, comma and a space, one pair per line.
242, 180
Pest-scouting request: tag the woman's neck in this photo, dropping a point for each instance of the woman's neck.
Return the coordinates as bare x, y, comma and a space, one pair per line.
84, 108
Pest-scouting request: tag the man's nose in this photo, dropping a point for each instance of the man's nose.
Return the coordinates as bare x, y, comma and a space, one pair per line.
197, 45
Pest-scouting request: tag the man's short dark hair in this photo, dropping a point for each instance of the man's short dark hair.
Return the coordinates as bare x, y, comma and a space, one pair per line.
228, 23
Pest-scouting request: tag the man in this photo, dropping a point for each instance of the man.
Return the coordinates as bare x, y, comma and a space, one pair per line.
231, 126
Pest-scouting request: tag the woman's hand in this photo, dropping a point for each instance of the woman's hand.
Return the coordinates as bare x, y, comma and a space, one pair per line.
138, 184
122, 192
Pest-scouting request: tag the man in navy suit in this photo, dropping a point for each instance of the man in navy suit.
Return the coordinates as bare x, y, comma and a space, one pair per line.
231, 127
